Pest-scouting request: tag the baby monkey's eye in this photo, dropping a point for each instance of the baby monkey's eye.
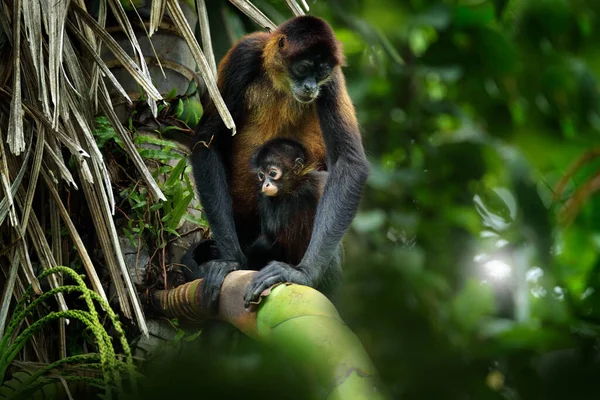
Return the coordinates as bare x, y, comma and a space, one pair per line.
275, 173
261, 175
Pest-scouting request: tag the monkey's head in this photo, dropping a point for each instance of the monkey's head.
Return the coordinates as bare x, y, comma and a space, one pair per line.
279, 165
301, 56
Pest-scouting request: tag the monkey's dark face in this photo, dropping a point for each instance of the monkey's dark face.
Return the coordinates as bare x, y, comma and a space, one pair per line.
306, 78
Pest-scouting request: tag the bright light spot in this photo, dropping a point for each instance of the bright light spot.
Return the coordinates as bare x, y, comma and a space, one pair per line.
487, 234
533, 274
479, 258
498, 270
559, 292
538, 292
391, 235
588, 292
501, 243
558, 249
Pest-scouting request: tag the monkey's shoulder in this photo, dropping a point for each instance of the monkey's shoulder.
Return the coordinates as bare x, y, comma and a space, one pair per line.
241, 66
248, 47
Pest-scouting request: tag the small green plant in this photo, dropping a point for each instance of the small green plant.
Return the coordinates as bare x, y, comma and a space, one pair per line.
114, 368
151, 222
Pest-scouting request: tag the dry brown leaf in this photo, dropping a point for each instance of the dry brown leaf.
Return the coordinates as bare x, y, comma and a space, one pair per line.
205, 33
16, 136
295, 8
254, 14
209, 79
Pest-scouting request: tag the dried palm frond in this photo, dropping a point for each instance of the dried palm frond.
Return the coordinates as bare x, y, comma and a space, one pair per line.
205, 32
295, 8
53, 81
254, 13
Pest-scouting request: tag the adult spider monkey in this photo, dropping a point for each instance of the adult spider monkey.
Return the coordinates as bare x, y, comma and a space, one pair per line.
289, 192
284, 84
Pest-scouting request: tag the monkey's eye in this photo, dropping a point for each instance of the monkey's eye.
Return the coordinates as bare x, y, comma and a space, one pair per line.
323, 72
301, 69
275, 174
261, 176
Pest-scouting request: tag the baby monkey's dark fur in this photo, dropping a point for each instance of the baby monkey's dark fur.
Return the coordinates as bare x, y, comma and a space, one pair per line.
289, 192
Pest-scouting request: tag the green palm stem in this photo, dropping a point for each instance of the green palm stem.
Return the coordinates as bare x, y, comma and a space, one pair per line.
298, 320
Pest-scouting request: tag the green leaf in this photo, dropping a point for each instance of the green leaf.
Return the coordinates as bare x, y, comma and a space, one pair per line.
172, 232
161, 155
179, 335
140, 204
193, 336
141, 139
175, 175
175, 216
157, 206
192, 111
580, 253
129, 236
194, 220
171, 94
179, 111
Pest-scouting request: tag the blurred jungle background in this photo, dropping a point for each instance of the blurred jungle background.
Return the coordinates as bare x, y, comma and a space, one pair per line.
472, 270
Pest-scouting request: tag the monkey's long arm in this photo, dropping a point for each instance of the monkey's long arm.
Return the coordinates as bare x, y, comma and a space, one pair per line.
348, 171
213, 144
211, 183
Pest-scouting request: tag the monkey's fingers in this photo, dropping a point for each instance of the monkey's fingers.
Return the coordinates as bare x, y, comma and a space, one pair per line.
260, 285
211, 286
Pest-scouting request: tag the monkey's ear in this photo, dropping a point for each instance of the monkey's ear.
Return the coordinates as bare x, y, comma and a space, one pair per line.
281, 42
298, 165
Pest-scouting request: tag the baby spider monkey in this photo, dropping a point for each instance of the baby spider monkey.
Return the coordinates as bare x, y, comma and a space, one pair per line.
289, 192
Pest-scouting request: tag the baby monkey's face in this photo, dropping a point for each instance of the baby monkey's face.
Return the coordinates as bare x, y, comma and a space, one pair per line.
280, 177
271, 179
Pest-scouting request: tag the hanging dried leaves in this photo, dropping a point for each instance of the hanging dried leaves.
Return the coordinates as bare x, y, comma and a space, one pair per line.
54, 79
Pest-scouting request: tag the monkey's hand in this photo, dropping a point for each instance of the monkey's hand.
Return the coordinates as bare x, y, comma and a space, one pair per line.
275, 272
211, 285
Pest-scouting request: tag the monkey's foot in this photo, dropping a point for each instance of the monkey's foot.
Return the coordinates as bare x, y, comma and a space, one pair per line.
274, 272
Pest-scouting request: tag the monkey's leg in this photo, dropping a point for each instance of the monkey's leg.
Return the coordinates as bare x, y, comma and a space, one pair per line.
261, 252
195, 258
